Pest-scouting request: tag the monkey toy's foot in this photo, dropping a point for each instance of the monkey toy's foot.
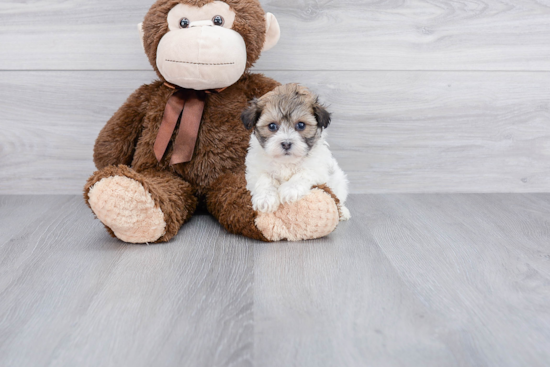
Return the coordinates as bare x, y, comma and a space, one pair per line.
140, 207
314, 216
123, 205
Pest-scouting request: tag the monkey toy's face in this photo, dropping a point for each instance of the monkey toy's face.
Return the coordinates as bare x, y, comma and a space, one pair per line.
203, 44
201, 50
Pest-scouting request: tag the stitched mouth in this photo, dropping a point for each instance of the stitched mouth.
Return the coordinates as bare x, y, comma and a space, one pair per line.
201, 63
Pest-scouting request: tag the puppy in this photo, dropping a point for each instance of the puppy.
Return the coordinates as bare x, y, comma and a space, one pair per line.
288, 154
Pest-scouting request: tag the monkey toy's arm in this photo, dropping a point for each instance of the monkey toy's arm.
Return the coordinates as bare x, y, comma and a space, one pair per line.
135, 205
117, 140
259, 84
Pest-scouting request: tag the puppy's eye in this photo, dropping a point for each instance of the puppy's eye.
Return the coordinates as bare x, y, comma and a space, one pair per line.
300, 126
273, 127
218, 20
184, 23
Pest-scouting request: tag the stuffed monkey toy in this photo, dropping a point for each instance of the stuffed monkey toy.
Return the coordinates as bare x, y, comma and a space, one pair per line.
179, 142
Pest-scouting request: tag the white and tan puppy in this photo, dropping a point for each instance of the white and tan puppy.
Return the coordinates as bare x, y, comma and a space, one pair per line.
288, 154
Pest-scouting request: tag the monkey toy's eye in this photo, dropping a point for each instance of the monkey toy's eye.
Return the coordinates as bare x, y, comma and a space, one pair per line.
184, 23
218, 20
300, 126
273, 127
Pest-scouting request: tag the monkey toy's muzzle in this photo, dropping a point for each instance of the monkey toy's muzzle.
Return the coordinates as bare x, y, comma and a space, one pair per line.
202, 57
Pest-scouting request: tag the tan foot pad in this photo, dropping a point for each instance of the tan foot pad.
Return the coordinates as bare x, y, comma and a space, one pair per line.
314, 216
123, 205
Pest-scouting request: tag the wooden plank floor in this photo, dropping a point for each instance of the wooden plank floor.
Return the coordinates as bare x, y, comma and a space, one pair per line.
411, 280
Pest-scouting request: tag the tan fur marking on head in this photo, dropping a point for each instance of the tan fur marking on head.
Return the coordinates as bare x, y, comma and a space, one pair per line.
288, 105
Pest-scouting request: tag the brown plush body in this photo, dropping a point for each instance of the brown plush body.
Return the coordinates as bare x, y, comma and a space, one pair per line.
130, 180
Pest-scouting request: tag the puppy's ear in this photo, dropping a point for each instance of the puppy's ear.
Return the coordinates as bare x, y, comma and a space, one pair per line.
251, 115
322, 116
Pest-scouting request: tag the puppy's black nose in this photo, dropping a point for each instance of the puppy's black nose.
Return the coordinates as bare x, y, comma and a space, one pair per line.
286, 145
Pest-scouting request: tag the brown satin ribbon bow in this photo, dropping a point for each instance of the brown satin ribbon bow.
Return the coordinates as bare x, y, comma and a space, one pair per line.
187, 106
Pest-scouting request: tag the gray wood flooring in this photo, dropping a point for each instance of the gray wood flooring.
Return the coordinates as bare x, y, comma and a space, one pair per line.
411, 280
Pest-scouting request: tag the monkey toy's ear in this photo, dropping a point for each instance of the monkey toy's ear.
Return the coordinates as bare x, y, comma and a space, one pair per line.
251, 115
140, 29
272, 31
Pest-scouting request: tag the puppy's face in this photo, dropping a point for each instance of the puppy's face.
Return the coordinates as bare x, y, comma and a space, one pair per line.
287, 122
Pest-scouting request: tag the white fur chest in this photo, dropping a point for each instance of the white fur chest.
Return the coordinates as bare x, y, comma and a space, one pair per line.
283, 172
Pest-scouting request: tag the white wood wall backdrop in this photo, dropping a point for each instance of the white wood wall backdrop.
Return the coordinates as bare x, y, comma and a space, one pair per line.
392, 132
428, 96
317, 35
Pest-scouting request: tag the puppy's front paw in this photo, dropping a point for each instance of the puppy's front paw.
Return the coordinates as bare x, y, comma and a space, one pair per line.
266, 202
344, 213
292, 192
